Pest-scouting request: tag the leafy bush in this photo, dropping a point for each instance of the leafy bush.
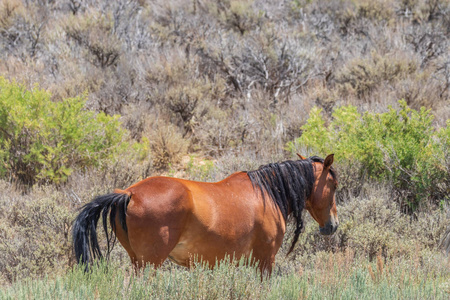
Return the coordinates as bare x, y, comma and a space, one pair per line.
401, 146
43, 141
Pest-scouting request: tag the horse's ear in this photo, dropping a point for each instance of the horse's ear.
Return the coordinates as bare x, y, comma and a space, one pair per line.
328, 161
301, 156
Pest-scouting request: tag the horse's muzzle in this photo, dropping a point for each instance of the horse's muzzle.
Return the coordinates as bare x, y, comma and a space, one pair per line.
329, 228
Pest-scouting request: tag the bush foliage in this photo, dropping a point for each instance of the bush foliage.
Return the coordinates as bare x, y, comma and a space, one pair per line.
400, 146
43, 141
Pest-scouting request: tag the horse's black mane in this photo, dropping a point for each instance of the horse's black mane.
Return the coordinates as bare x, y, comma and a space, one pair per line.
288, 184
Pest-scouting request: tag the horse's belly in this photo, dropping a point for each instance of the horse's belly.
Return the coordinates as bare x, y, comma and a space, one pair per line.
209, 250
180, 255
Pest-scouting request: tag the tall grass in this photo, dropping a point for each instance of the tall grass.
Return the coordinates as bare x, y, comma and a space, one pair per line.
339, 275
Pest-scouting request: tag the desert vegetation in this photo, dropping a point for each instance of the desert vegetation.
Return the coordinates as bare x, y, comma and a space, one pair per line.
96, 95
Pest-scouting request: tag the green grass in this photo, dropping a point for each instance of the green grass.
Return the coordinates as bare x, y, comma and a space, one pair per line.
323, 276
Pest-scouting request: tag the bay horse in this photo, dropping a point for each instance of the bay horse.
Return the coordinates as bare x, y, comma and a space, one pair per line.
244, 214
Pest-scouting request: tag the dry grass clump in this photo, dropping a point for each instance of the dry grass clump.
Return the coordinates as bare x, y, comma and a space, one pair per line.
34, 232
224, 130
95, 33
167, 146
362, 76
372, 224
238, 16
379, 10
9, 11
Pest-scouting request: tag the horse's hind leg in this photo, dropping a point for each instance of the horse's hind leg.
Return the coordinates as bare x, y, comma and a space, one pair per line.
122, 236
154, 245
153, 236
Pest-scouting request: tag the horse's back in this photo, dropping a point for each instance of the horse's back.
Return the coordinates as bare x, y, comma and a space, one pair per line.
159, 195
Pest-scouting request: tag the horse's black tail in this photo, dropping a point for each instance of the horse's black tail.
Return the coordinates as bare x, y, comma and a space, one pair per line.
84, 229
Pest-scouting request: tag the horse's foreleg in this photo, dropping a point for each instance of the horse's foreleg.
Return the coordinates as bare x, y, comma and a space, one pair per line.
265, 268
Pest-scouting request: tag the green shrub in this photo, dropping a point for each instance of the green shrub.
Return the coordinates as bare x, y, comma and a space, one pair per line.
201, 170
42, 141
401, 146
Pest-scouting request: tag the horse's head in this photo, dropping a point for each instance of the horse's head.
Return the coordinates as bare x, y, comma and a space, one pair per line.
321, 203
